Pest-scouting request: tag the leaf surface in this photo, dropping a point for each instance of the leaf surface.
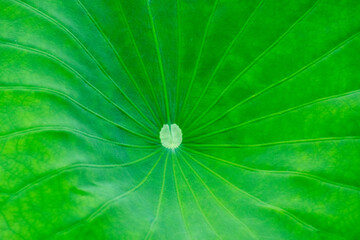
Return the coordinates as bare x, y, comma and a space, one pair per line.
265, 92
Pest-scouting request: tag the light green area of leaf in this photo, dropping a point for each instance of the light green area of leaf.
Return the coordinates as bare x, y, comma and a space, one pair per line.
265, 92
170, 136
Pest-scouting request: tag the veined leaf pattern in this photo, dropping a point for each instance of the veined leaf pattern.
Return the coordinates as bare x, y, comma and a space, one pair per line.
265, 92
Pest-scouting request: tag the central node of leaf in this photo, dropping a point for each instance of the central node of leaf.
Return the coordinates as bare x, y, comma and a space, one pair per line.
171, 136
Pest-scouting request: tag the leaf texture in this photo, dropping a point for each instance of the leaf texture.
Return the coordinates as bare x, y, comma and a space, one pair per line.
265, 92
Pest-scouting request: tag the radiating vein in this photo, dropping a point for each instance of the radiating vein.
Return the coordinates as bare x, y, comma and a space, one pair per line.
227, 51
65, 96
280, 172
197, 201
57, 128
266, 117
290, 77
178, 193
161, 65
90, 55
72, 70
108, 203
122, 63
150, 231
249, 66
61, 170
104, 206
256, 199
199, 56
296, 141
249, 231
177, 98
123, 16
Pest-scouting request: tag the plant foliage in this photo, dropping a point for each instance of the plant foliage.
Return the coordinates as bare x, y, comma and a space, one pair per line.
265, 92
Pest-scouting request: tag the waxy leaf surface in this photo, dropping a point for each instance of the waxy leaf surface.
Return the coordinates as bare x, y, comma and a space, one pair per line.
265, 92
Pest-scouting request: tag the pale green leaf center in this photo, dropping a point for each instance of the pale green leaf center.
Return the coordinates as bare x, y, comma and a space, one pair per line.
171, 136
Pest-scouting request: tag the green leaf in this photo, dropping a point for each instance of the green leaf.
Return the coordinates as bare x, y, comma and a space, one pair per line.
262, 96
